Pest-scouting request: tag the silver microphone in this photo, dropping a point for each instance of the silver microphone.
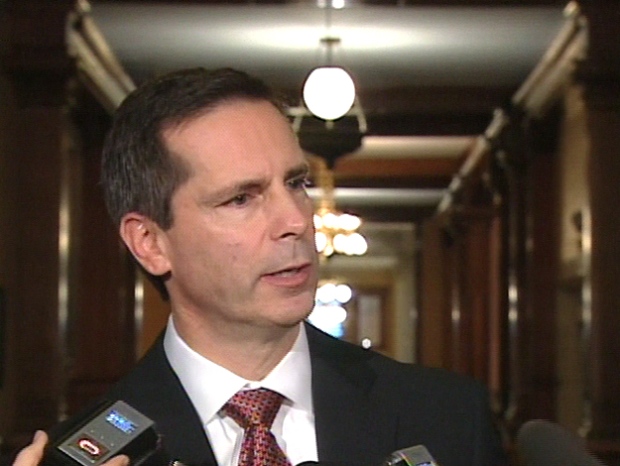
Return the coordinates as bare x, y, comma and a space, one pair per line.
412, 456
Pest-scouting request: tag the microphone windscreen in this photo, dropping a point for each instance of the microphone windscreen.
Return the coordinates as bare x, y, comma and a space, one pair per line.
544, 443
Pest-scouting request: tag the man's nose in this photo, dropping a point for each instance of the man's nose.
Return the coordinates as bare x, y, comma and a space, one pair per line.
292, 215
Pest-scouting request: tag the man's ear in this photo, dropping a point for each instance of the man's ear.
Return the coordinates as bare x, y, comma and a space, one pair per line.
143, 238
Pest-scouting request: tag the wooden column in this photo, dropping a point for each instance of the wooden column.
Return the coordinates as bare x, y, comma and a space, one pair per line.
37, 68
511, 180
600, 76
531, 212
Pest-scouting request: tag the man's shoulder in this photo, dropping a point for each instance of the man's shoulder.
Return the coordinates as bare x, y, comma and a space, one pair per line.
408, 377
148, 379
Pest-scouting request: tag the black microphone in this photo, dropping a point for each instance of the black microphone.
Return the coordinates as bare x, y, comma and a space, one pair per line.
543, 443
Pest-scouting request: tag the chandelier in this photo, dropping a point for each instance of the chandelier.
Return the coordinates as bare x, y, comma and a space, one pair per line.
335, 231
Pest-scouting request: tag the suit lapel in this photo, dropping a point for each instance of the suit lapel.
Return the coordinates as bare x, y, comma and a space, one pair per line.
154, 389
348, 419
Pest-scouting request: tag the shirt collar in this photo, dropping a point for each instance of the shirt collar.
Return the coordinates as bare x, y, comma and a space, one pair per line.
209, 386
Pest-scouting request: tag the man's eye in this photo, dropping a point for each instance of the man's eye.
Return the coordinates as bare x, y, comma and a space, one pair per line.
299, 183
239, 199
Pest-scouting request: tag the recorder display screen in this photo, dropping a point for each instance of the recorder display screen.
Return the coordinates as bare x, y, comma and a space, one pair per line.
120, 422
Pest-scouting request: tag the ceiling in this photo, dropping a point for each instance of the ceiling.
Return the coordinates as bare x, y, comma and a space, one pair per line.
429, 75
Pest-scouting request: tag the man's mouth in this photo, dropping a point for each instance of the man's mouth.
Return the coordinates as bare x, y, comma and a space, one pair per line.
287, 272
291, 277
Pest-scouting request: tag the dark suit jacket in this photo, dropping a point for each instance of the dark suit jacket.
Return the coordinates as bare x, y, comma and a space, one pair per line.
366, 406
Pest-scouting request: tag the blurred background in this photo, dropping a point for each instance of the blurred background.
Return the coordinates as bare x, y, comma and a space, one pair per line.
478, 163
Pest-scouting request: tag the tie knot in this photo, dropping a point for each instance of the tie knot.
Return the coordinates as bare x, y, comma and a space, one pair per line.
254, 407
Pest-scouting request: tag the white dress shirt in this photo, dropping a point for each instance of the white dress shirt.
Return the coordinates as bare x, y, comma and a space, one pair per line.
209, 386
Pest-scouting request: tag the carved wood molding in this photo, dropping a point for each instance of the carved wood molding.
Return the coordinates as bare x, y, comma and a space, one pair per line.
97, 65
546, 83
600, 70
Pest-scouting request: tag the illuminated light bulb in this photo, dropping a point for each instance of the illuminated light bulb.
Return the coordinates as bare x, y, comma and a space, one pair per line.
349, 250
318, 221
358, 244
341, 242
329, 92
338, 314
366, 343
330, 220
326, 293
320, 241
343, 293
349, 222
327, 316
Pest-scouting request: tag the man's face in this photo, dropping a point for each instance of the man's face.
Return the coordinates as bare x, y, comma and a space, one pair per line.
241, 248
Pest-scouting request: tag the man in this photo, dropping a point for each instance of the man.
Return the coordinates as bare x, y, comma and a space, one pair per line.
205, 179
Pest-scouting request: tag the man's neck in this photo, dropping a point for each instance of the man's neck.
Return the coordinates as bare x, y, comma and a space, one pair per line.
248, 351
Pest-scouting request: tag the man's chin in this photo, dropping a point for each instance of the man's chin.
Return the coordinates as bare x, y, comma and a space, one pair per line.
293, 315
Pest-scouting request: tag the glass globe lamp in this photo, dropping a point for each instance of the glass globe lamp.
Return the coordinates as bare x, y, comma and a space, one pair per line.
329, 92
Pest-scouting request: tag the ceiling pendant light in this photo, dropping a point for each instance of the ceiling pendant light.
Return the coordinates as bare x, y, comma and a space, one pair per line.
329, 92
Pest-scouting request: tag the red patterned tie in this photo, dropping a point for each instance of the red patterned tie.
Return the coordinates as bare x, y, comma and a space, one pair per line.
255, 410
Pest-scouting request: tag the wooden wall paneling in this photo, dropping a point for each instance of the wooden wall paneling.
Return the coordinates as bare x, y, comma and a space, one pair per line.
604, 173
475, 296
455, 292
46, 285
544, 206
9, 240
102, 328
434, 319
34, 304
498, 316
458, 308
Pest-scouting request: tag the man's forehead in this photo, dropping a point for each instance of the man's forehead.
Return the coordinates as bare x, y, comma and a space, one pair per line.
234, 104
227, 117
